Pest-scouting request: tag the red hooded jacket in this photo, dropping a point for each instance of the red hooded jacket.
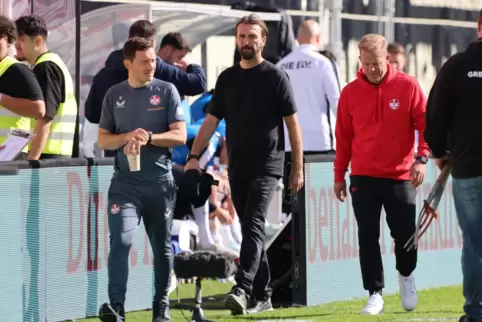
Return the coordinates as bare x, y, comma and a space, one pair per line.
375, 127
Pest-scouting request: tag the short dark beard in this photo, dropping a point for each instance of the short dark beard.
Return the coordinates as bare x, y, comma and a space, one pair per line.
247, 55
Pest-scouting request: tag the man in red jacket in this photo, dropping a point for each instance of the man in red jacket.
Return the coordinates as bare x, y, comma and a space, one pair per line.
378, 114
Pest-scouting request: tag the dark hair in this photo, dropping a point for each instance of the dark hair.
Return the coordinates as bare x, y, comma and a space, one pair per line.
253, 19
395, 48
328, 54
31, 26
135, 44
7, 29
176, 40
142, 29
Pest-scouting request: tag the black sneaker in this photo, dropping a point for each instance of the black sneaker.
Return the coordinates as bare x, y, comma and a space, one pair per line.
465, 318
236, 301
260, 306
160, 312
112, 313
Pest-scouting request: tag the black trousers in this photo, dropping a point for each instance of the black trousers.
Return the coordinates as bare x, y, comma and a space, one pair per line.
251, 198
397, 197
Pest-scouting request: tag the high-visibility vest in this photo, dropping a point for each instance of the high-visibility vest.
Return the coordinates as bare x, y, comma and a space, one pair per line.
62, 128
8, 119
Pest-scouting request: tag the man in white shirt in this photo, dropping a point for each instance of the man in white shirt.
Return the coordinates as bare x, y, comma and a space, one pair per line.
316, 90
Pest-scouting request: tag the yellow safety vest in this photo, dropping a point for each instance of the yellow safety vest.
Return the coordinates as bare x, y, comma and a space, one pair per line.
62, 128
8, 119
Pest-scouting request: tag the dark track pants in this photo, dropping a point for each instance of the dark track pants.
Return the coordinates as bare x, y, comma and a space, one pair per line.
397, 197
129, 203
251, 198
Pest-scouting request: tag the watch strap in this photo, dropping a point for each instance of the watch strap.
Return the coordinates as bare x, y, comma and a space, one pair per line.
193, 156
422, 159
150, 138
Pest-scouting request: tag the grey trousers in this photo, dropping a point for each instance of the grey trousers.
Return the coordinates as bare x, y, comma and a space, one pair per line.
128, 204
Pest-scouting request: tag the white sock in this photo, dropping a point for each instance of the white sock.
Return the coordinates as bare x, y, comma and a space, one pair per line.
215, 227
236, 230
227, 235
201, 215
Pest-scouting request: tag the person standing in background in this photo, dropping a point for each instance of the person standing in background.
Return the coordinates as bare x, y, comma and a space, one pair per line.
172, 50
54, 133
315, 88
377, 115
190, 82
254, 96
454, 133
316, 91
397, 56
148, 194
20, 94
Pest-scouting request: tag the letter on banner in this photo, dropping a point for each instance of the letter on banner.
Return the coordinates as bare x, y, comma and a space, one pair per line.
74, 183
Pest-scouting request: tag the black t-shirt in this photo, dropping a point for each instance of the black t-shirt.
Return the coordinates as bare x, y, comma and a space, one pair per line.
253, 102
51, 80
19, 81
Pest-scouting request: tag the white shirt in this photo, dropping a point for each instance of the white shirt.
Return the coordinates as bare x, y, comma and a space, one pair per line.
316, 92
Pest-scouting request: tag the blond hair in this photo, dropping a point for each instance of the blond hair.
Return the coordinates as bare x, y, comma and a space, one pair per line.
373, 43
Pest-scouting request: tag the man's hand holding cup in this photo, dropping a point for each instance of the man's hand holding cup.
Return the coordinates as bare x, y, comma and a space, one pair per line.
136, 139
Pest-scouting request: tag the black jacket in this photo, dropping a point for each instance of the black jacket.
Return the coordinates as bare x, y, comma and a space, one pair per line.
454, 112
189, 83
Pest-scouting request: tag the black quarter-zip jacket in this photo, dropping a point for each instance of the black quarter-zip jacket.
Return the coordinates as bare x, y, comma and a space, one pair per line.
454, 112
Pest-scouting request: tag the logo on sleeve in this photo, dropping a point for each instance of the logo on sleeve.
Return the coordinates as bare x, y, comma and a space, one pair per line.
120, 102
394, 104
155, 100
179, 111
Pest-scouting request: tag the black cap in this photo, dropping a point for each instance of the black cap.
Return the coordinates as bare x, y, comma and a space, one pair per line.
199, 186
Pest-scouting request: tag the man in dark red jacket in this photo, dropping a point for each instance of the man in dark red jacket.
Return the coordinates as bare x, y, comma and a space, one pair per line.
378, 114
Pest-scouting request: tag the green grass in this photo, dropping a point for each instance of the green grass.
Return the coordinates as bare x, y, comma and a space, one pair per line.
437, 303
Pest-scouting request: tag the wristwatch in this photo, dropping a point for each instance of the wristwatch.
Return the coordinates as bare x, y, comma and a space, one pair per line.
422, 159
150, 138
192, 156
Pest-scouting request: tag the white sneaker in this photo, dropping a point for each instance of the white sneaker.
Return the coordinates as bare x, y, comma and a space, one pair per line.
408, 292
374, 305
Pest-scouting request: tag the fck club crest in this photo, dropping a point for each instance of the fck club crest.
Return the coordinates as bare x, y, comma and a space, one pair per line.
155, 100
394, 104
115, 209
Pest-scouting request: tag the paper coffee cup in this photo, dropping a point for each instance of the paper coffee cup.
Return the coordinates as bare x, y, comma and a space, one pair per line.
134, 162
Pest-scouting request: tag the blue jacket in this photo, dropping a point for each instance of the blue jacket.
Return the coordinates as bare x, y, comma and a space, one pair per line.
221, 129
179, 153
190, 83
199, 105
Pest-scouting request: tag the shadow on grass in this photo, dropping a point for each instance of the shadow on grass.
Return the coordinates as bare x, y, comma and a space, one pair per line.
211, 302
308, 317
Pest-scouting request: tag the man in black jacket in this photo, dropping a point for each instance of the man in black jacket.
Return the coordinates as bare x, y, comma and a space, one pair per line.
190, 82
454, 122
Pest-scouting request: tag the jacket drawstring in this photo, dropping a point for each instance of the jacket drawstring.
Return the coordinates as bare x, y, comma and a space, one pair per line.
378, 115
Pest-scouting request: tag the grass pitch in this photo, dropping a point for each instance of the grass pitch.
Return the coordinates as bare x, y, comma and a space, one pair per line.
440, 304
